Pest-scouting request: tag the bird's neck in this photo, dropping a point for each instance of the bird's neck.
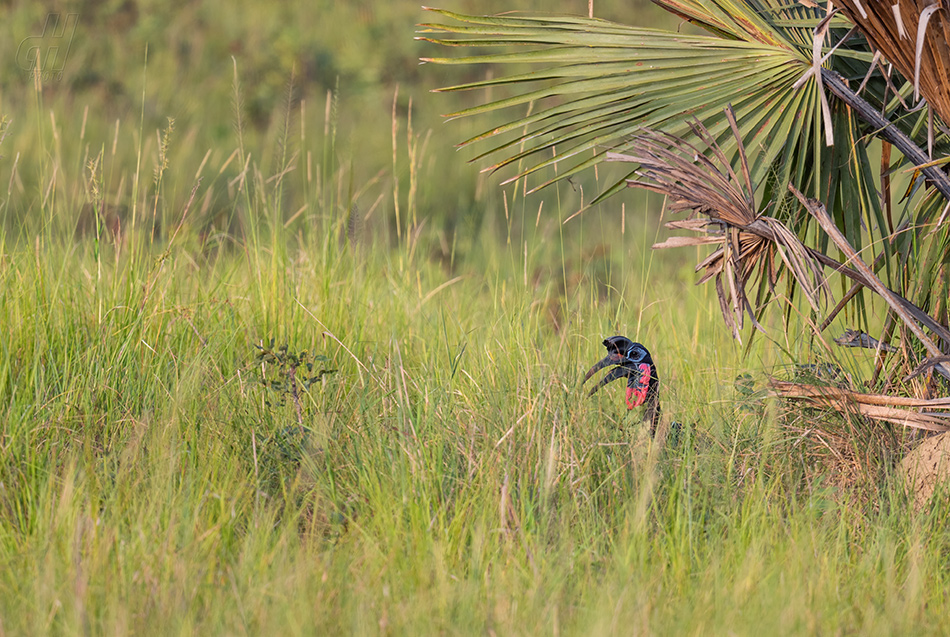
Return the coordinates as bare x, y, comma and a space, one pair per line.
651, 414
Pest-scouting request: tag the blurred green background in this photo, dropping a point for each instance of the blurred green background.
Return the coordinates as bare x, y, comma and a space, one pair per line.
133, 65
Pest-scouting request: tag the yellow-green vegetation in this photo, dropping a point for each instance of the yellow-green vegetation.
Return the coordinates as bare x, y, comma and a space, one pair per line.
167, 466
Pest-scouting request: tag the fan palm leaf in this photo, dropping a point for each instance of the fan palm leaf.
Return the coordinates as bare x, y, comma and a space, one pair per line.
600, 82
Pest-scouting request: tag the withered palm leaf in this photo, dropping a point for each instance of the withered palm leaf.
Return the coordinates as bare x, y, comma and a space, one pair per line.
893, 409
720, 201
913, 36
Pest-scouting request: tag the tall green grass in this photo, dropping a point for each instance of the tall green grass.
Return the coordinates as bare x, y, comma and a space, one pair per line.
449, 475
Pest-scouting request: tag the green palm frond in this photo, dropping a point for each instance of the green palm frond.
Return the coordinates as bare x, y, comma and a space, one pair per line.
600, 82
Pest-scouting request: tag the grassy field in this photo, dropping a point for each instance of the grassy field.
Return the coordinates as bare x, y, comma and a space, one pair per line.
447, 474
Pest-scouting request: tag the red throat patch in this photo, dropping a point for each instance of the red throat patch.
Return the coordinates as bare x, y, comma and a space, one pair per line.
639, 392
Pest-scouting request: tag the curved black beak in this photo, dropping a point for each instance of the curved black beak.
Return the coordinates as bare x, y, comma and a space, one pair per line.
610, 359
609, 377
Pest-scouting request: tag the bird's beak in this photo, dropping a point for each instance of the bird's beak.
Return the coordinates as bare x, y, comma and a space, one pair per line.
609, 359
614, 358
609, 377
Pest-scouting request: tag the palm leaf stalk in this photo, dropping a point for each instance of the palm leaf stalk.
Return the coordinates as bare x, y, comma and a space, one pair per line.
816, 209
888, 131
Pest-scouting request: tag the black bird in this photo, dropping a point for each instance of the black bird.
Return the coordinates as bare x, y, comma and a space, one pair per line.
633, 362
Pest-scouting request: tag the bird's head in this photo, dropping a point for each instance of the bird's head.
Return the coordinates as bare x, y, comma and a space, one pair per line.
633, 362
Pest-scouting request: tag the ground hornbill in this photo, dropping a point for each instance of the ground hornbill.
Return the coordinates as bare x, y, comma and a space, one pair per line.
634, 363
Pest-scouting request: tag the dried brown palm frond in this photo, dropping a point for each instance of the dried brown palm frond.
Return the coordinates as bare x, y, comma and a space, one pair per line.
721, 203
893, 409
935, 363
857, 338
912, 35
